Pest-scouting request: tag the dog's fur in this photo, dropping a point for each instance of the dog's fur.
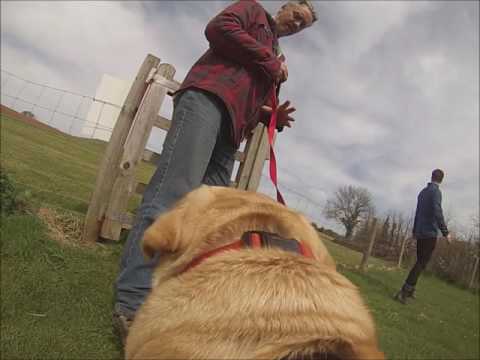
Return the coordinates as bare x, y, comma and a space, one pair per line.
250, 303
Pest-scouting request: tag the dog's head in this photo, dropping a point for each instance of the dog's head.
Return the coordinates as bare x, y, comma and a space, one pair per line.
211, 216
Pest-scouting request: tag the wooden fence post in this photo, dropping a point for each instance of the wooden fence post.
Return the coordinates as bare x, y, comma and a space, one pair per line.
259, 162
133, 149
109, 167
474, 273
368, 251
254, 143
402, 251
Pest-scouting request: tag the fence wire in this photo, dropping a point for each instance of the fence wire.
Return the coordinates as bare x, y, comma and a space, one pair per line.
70, 112
88, 117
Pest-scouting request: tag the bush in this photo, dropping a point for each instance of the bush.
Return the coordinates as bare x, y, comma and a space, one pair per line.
11, 200
455, 262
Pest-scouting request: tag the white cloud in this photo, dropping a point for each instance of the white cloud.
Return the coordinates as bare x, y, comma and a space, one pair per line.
385, 91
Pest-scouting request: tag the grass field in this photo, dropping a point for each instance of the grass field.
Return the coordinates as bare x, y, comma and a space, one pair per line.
57, 293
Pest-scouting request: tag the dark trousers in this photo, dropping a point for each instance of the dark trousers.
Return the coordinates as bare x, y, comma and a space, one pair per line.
425, 249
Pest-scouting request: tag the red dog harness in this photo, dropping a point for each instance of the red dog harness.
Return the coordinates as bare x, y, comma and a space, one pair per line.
256, 240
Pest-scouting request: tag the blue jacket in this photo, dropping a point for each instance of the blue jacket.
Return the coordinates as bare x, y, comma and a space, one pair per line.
429, 215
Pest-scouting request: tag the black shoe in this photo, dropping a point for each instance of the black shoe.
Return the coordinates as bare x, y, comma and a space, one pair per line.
401, 297
407, 291
412, 295
121, 324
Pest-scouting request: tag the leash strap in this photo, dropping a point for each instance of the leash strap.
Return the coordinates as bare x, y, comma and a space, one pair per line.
272, 126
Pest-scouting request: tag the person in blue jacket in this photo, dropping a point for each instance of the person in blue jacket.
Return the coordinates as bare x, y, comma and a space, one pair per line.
429, 222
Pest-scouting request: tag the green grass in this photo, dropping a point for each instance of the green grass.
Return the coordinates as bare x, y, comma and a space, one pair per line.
442, 323
59, 169
57, 299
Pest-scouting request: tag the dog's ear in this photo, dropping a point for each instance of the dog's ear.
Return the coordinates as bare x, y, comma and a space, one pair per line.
162, 235
173, 231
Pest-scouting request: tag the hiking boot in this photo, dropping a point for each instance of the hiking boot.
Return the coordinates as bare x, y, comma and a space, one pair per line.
407, 291
401, 297
412, 295
121, 324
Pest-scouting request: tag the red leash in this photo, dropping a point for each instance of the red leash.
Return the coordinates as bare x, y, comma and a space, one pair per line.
272, 126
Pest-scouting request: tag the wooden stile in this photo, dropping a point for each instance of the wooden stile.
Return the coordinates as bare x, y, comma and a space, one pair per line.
116, 181
162, 123
109, 167
251, 150
133, 150
263, 152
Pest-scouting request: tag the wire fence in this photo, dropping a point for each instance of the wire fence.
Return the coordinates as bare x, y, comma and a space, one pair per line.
294, 198
88, 117
72, 113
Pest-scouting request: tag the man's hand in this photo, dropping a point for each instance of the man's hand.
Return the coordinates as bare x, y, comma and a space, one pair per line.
283, 114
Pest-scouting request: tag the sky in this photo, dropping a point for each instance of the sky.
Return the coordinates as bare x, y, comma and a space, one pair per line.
385, 91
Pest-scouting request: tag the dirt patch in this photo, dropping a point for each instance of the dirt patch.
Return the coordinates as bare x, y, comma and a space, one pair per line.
63, 227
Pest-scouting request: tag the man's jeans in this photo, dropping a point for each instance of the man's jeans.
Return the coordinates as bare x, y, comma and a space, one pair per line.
197, 149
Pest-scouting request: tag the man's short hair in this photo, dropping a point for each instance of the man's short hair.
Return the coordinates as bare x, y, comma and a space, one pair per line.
437, 175
310, 7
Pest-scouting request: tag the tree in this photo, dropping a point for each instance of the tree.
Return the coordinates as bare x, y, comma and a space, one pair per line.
349, 206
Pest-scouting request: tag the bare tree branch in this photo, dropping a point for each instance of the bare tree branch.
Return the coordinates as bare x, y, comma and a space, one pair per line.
349, 206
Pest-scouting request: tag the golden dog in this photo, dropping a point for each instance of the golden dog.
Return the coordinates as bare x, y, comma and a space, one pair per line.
265, 303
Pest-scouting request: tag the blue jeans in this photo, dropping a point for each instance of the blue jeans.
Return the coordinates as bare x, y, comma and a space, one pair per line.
197, 149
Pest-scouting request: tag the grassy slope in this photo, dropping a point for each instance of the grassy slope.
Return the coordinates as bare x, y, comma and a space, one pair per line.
442, 323
59, 169
56, 300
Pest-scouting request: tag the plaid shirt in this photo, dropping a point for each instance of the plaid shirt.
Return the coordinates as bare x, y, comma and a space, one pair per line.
241, 64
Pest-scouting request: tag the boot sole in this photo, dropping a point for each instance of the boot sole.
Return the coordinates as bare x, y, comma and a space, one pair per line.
399, 299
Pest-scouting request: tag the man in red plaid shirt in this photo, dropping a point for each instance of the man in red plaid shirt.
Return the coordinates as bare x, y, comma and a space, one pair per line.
220, 102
